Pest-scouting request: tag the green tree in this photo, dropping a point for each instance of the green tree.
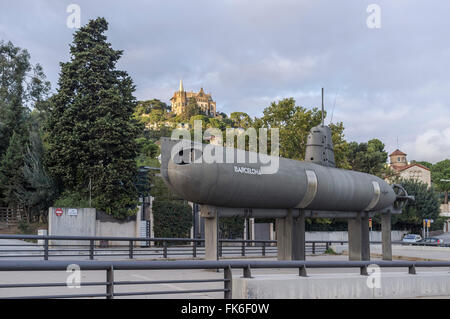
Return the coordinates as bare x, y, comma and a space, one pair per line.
91, 133
172, 219
367, 157
424, 163
241, 119
191, 110
22, 86
440, 174
11, 171
294, 123
148, 151
145, 107
426, 205
39, 191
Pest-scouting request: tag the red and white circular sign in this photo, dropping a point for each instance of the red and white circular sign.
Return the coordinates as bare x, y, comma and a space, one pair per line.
58, 211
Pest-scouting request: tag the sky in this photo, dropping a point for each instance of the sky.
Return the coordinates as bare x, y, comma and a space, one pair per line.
389, 82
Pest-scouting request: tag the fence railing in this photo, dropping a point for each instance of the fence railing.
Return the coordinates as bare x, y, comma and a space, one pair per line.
111, 285
10, 216
132, 247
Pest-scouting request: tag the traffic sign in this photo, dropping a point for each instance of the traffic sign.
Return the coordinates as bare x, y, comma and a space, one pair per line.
58, 212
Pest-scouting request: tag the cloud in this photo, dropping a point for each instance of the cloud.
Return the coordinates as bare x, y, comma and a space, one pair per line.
432, 146
389, 83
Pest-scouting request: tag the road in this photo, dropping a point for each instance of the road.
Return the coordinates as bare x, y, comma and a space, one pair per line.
406, 252
144, 275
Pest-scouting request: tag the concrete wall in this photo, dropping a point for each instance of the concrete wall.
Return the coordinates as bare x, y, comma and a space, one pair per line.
343, 235
338, 286
88, 222
116, 229
81, 224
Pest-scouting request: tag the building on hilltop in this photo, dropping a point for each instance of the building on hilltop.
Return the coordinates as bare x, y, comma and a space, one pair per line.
401, 168
181, 98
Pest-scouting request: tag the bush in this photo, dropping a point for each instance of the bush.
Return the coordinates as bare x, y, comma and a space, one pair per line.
231, 227
172, 219
73, 199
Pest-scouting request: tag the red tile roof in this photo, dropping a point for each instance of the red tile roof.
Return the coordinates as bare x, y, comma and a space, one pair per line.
402, 168
397, 152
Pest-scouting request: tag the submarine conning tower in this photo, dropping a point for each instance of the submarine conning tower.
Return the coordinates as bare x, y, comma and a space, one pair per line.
319, 146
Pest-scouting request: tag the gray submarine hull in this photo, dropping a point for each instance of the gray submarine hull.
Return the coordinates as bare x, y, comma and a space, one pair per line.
296, 184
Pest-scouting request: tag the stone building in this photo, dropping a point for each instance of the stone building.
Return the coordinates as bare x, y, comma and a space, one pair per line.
401, 168
181, 98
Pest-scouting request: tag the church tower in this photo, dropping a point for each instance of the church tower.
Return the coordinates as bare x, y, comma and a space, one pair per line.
398, 159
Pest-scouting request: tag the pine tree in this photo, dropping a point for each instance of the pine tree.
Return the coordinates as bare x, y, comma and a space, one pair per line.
91, 131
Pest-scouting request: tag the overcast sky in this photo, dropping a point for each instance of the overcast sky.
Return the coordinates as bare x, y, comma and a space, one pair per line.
389, 83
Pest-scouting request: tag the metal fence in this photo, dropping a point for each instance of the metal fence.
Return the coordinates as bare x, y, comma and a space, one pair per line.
132, 247
11, 216
111, 286
92, 247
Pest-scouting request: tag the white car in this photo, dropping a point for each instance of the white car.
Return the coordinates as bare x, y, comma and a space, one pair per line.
411, 238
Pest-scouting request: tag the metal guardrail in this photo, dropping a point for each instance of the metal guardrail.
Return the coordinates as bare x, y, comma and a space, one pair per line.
163, 247
246, 266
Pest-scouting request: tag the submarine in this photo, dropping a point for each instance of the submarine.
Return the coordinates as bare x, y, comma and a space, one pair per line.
314, 184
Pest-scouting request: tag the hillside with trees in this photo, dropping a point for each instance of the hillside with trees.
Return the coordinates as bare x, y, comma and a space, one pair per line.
91, 143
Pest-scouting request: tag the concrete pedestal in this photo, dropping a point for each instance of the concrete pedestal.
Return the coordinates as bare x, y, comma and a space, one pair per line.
211, 231
291, 237
342, 286
386, 226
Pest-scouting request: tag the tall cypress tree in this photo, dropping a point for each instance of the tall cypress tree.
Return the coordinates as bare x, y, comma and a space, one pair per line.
91, 130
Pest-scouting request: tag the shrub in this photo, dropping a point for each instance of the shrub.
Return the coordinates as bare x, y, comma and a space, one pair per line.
172, 219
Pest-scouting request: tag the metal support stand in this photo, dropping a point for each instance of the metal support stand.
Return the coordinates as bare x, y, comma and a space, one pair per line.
365, 237
359, 237
291, 237
386, 225
354, 238
211, 231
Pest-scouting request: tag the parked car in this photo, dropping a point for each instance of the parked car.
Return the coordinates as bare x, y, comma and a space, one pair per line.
431, 241
411, 238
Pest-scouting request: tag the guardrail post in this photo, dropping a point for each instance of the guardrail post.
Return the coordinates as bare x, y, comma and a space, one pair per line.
110, 283
91, 249
247, 272
302, 272
363, 271
264, 249
194, 249
165, 249
46, 249
314, 248
327, 246
130, 250
412, 270
228, 282
220, 248
243, 248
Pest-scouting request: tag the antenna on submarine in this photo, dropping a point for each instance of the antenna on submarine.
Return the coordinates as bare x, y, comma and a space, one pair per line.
322, 109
